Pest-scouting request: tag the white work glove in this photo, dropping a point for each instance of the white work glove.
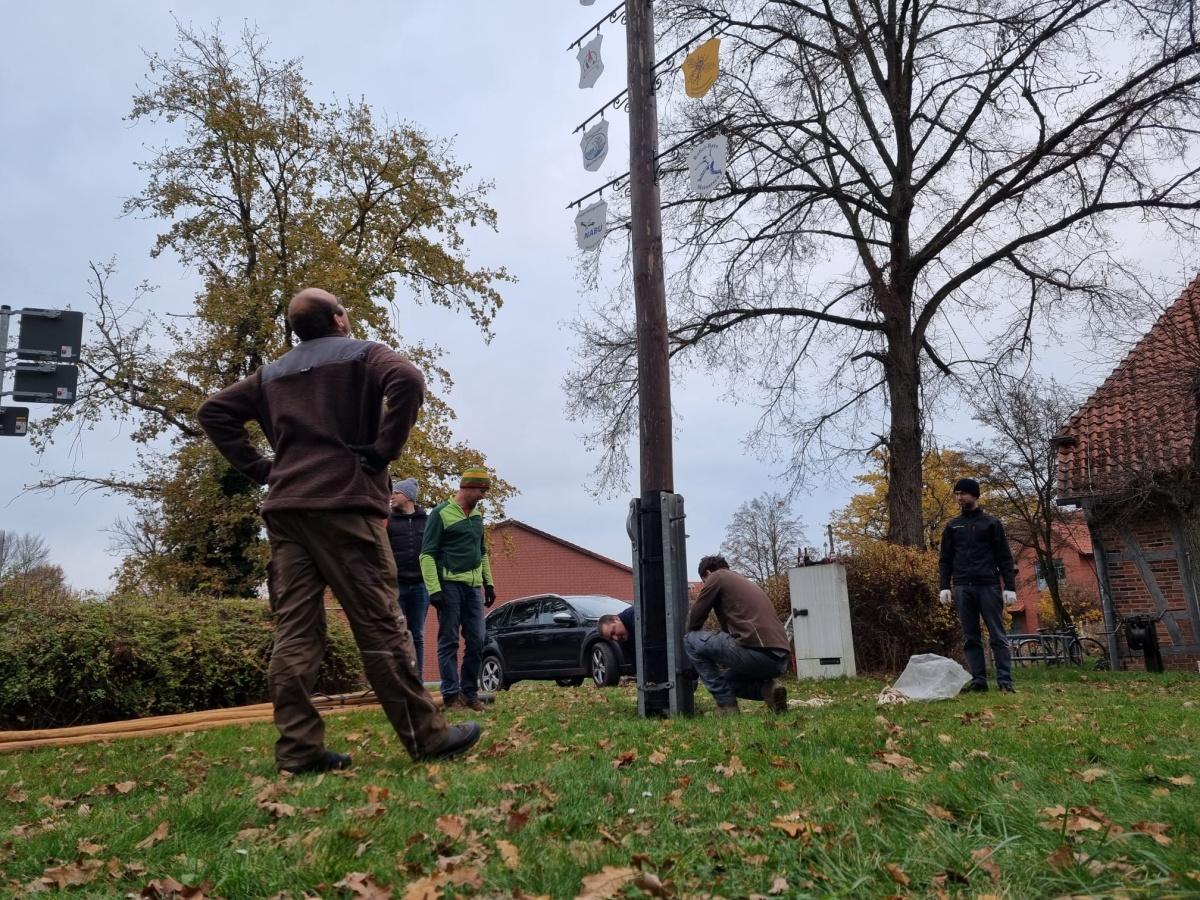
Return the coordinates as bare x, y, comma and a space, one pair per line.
1010, 597
944, 598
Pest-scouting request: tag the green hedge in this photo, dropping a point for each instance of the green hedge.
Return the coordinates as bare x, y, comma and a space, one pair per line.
894, 609
124, 658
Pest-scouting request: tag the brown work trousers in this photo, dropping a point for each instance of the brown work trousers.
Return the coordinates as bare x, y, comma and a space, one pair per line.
350, 553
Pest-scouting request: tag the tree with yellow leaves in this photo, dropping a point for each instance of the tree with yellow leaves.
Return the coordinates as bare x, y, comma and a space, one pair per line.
265, 191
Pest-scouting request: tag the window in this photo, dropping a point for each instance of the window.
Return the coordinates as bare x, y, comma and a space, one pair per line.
523, 614
551, 607
1041, 578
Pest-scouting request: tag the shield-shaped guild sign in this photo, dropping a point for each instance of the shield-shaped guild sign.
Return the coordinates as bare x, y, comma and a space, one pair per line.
589, 225
594, 145
706, 164
590, 63
701, 68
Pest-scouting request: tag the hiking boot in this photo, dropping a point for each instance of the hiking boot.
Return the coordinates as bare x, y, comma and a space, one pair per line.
976, 687
328, 761
775, 696
1007, 689
458, 739
475, 703
454, 701
730, 710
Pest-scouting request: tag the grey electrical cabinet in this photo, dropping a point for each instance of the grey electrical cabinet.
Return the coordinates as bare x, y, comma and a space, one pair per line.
821, 622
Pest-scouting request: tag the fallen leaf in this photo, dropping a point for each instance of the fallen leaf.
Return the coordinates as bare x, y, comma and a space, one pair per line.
15, 795
509, 853
155, 836
451, 826
1061, 858
625, 758
276, 809
1091, 775
778, 886
606, 883
939, 812
657, 758
983, 859
72, 874
87, 846
735, 767
124, 787
649, 883
945, 739
364, 885
1156, 830
1182, 781
896, 873
517, 819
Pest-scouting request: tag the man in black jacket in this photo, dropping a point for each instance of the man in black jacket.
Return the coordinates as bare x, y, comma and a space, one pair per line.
976, 555
406, 528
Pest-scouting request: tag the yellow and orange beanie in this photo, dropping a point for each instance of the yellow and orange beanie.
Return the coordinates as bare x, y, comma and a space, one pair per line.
476, 478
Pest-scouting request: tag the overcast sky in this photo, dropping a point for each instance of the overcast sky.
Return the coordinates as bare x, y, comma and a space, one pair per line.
495, 76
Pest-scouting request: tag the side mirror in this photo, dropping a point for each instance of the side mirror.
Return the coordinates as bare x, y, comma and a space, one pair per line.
564, 618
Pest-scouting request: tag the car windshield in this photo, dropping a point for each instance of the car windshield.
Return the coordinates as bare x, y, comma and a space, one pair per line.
593, 607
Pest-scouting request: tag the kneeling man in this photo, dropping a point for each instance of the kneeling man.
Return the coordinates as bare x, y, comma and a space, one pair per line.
744, 658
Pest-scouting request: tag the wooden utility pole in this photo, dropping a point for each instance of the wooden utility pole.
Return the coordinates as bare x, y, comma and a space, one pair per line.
649, 285
658, 575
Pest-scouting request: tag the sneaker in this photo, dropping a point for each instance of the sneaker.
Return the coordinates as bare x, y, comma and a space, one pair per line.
454, 701
458, 739
475, 703
976, 687
1007, 689
328, 761
730, 710
775, 696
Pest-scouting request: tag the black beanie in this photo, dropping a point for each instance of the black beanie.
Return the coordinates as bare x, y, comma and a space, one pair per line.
967, 486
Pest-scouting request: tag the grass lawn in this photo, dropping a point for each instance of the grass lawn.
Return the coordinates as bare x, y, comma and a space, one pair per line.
1077, 786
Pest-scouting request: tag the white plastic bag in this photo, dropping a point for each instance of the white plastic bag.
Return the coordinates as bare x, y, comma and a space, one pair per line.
931, 677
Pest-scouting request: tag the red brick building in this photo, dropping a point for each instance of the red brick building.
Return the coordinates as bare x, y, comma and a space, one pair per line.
1076, 566
1128, 456
526, 560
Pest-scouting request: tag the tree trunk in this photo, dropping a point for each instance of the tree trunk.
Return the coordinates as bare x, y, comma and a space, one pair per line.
905, 523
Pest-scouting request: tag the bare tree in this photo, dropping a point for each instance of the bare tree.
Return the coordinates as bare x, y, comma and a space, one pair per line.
1021, 462
764, 538
900, 173
19, 553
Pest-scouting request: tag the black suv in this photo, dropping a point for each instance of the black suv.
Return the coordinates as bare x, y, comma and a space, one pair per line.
552, 637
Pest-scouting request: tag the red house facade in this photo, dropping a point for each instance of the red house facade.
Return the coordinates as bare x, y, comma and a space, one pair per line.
526, 561
1128, 457
1076, 565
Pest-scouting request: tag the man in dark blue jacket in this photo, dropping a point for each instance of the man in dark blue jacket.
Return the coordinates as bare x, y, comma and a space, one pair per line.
406, 529
976, 556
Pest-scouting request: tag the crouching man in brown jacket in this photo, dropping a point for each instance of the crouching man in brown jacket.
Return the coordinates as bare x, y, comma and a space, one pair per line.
744, 658
321, 408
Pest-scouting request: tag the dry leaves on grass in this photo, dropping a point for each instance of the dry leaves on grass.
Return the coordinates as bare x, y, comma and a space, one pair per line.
158, 834
65, 876
1182, 780
1076, 819
735, 767
364, 886
605, 884
983, 860
432, 887
625, 758
451, 826
170, 889
897, 874
1156, 830
939, 812
1091, 775
509, 853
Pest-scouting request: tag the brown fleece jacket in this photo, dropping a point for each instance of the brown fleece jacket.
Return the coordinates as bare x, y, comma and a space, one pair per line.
742, 608
313, 404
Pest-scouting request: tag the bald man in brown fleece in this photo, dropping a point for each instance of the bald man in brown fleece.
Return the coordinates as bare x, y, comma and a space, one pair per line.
321, 408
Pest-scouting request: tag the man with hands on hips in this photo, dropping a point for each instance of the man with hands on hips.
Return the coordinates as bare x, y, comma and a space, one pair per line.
975, 555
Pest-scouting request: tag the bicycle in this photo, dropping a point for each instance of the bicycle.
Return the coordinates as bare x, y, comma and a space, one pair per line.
1058, 645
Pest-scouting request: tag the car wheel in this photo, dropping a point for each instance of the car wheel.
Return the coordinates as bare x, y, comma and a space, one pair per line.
491, 675
576, 681
605, 670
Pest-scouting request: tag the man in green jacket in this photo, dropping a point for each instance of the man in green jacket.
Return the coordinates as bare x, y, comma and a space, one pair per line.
454, 564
